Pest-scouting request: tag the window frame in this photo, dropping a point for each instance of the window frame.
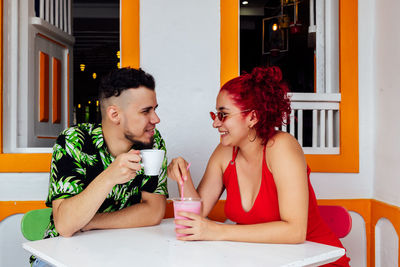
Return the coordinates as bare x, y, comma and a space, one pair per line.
40, 162
348, 159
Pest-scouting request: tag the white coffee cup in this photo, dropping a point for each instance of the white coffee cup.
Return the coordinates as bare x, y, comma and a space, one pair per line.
152, 160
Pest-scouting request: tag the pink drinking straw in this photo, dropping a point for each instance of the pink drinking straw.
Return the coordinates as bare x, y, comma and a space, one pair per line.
187, 168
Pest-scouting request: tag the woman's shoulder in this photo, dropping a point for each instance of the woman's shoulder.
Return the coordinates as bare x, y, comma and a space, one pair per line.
283, 144
281, 140
283, 149
222, 152
221, 155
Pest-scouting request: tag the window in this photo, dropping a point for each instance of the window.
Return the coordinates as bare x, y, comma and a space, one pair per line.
36, 79
338, 94
47, 81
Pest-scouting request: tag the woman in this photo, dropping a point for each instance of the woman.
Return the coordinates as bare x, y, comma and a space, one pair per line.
269, 194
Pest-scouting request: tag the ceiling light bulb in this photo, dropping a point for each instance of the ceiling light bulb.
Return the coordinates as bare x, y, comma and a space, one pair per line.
245, 2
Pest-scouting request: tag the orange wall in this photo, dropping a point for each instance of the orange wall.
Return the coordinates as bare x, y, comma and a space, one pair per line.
371, 210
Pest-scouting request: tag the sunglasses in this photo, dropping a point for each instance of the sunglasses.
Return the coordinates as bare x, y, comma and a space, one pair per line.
222, 115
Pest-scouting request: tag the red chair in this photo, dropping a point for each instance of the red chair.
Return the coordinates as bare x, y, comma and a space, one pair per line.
337, 218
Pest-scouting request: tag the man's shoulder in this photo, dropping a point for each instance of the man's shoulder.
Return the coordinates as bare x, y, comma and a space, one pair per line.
83, 129
79, 135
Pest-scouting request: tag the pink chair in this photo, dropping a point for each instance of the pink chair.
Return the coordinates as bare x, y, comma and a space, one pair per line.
337, 218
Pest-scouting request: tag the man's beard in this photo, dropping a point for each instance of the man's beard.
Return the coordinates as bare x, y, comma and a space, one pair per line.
139, 145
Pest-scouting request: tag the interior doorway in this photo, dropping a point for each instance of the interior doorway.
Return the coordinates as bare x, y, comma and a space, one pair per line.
276, 33
96, 28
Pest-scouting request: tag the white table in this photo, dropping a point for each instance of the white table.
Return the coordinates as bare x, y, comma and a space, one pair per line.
157, 246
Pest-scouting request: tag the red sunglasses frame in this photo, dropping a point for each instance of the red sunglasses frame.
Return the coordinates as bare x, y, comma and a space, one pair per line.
222, 116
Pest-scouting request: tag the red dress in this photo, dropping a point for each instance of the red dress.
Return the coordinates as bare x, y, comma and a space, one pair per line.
266, 207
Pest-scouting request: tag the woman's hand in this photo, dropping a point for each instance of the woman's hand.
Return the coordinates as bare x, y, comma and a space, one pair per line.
200, 228
177, 170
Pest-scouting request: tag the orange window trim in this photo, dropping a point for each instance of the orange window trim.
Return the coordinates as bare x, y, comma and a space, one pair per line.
38, 162
229, 40
56, 110
43, 87
130, 28
130, 55
1, 79
348, 159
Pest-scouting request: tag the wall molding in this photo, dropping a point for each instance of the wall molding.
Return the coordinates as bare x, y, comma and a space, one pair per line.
8, 208
370, 210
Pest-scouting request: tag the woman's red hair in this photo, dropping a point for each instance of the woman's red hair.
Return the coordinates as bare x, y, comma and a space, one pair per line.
263, 91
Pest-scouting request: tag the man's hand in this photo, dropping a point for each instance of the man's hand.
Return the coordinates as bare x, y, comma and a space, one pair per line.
124, 167
72, 214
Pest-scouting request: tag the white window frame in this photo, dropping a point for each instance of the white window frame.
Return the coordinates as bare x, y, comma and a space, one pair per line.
21, 28
325, 102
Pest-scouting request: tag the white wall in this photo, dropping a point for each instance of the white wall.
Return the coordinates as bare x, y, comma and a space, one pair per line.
386, 244
17, 186
387, 127
387, 94
180, 46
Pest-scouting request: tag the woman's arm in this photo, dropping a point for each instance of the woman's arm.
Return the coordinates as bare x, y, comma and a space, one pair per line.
211, 185
285, 160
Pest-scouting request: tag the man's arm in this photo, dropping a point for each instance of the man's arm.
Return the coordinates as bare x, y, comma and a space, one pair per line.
149, 212
72, 214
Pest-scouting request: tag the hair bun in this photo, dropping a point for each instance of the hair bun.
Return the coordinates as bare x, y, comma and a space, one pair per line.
270, 74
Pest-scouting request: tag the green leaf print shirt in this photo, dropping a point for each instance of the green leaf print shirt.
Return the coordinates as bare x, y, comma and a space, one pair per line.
80, 155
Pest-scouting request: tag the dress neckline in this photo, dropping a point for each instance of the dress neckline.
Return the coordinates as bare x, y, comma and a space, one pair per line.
233, 163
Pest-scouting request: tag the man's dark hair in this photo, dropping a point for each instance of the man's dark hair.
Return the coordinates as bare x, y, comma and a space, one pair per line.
119, 80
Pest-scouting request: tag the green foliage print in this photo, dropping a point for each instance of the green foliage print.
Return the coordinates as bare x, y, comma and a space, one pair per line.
74, 142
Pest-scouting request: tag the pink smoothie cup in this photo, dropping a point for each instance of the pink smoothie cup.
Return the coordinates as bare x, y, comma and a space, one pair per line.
187, 204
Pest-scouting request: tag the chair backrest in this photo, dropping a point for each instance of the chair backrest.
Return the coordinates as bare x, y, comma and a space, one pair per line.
337, 218
34, 223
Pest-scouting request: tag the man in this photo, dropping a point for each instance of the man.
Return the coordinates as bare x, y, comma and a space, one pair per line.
96, 180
